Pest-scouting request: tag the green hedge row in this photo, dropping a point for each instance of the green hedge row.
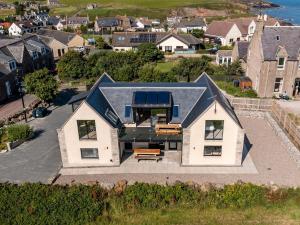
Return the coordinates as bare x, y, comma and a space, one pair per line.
45, 204
19, 132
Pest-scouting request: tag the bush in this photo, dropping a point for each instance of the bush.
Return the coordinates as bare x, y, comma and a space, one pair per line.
19, 132
236, 91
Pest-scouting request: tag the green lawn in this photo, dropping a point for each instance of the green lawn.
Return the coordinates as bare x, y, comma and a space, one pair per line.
197, 216
166, 66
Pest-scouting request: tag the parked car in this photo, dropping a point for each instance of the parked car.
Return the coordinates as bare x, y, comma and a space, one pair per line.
40, 112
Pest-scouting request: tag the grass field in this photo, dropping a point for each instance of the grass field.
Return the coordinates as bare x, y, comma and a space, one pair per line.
6, 12
197, 216
166, 66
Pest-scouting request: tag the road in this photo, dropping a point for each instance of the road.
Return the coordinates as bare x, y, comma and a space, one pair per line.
37, 160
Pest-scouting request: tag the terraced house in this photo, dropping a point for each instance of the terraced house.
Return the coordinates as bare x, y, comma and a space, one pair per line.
118, 121
273, 61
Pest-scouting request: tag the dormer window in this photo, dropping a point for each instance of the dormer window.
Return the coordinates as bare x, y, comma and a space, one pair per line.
12, 65
34, 55
43, 50
281, 63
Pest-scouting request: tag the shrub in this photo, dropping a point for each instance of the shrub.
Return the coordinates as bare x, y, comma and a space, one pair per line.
19, 132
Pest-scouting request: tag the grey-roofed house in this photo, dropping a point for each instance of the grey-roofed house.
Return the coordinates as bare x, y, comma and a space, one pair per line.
107, 24
76, 21
187, 25
240, 53
25, 54
166, 42
115, 119
224, 57
273, 61
60, 41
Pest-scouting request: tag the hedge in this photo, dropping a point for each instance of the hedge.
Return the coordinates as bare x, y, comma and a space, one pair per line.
19, 132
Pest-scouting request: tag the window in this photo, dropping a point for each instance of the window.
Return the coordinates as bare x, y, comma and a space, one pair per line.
278, 84
214, 129
175, 110
281, 62
127, 111
89, 153
160, 48
43, 50
212, 151
34, 55
59, 52
112, 116
220, 60
173, 145
12, 65
229, 61
231, 40
87, 129
168, 48
63, 51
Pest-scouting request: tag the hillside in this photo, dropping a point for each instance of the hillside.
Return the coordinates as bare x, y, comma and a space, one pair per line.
151, 8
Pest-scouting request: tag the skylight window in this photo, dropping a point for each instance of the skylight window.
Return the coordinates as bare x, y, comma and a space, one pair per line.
127, 111
175, 110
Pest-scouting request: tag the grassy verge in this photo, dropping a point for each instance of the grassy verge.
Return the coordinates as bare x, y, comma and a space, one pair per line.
235, 91
166, 66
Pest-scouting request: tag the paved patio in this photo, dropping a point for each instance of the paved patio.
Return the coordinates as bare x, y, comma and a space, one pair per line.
271, 164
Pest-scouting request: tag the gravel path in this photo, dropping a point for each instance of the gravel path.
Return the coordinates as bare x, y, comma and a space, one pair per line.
269, 154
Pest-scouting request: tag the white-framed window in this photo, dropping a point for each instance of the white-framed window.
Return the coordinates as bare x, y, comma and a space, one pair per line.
12, 65
214, 129
281, 63
212, 150
278, 85
168, 48
89, 153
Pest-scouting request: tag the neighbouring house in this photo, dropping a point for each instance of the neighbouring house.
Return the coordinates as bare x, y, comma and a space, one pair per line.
75, 22
179, 43
52, 2
107, 24
91, 6
190, 24
60, 42
247, 25
273, 60
119, 121
224, 57
22, 27
26, 55
223, 32
143, 24
240, 53
167, 42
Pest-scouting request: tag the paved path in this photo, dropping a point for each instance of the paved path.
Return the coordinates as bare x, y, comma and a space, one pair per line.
15, 106
268, 153
39, 159
291, 106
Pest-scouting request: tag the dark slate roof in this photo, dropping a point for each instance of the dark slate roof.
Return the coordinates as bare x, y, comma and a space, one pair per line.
132, 39
224, 53
289, 39
78, 97
107, 22
243, 49
193, 98
61, 36
185, 38
191, 22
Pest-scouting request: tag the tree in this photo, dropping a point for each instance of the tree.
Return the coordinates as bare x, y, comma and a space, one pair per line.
42, 84
148, 52
71, 66
83, 29
198, 33
101, 44
149, 73
190, 69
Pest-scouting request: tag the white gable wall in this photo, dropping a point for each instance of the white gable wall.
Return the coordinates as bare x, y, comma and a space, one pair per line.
234, 33
197, 139
104, 141
173, 42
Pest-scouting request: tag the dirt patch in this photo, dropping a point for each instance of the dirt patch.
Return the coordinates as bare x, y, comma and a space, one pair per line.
188, 11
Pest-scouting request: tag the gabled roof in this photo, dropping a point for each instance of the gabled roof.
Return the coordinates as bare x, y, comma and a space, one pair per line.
131, 39
192, 98
219, 28
243, 24
61, 36
191, 22
286, 37
107, 22
185, 38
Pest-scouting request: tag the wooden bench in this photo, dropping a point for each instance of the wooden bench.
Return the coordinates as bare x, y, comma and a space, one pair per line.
143, 153
167, 129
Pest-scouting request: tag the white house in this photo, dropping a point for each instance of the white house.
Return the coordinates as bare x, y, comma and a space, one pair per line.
190, 24
167, 42
225, 31
19, 28
116, 122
